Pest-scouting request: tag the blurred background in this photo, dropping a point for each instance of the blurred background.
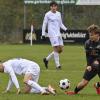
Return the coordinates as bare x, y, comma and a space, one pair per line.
16, 15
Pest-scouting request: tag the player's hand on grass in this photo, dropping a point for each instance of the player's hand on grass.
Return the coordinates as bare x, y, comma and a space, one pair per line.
89, 68
6, 91
18, 91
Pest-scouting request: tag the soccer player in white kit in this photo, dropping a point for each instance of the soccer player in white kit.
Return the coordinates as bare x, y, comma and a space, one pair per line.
31, 72
53, 22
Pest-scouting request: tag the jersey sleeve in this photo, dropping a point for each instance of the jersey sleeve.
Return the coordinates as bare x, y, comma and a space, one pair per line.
62, 26
45, 22
12, 75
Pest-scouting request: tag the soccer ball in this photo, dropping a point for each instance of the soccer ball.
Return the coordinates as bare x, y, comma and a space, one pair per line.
64, 84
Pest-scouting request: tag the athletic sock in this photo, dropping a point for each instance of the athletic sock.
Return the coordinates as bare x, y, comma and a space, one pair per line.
49, 56
56, 58
35, 85
76, 90
33, 90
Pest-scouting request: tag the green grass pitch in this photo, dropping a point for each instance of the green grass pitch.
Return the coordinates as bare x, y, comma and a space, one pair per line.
73, 65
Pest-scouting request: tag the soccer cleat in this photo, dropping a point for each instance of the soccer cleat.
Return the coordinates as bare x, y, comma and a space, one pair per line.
46, 63
97, 88
70, 93
58, 68
51, 90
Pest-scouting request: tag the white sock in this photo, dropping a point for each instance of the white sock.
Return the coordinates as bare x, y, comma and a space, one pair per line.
35, 85
33, 90
56, 58
49, 56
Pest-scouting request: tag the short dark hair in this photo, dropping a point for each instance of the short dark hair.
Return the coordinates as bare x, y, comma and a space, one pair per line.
53, 3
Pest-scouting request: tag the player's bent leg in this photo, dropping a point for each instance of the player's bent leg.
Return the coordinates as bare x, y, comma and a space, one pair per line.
28, 79
49, 90
50, 56
88, 75
33, 90
27, 87
79, 87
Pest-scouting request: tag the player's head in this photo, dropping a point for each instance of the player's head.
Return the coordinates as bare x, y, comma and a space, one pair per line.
53, 6
1, 68
94, 32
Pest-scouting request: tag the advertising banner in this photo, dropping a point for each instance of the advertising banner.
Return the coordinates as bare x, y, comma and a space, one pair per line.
71, 36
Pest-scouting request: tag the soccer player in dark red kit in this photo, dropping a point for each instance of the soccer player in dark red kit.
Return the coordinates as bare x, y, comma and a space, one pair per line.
92, 48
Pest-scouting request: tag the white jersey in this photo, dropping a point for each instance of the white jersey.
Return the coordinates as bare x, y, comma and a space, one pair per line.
53, 22
18, 66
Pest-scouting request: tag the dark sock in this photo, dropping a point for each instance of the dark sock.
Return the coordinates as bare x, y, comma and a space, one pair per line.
76, 90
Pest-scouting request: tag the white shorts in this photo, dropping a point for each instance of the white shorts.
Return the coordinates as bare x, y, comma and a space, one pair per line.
56, 41
35, 71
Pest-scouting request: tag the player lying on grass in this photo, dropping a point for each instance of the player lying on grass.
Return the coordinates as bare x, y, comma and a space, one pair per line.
92, 47
30, 70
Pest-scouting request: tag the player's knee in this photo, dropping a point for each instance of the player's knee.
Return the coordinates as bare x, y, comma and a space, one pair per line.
27, 78
59, 50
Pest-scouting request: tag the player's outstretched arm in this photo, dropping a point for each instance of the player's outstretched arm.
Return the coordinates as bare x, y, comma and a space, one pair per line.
14, 80
10, 84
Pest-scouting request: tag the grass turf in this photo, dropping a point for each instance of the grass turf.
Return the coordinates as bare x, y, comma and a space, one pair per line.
73, 66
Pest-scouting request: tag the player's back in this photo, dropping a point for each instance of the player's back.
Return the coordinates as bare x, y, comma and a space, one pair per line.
19, 65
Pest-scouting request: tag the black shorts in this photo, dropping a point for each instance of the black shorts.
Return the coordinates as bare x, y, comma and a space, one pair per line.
88, 75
